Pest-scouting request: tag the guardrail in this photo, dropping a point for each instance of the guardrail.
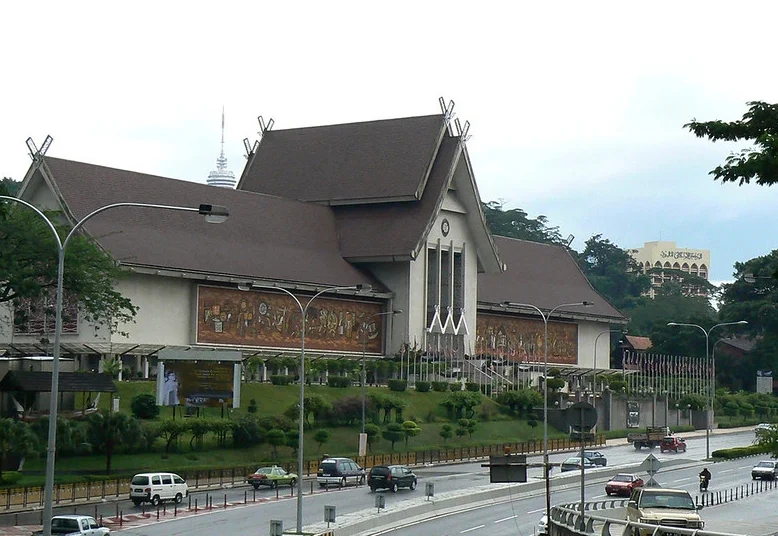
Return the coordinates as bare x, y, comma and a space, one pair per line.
29, 497
566, 521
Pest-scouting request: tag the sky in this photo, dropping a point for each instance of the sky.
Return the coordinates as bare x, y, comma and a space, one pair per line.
576, 109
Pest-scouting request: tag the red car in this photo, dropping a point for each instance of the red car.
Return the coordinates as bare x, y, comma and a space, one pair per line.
672, 444
623, 484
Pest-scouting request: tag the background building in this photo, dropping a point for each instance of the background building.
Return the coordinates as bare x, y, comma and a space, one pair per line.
665, 257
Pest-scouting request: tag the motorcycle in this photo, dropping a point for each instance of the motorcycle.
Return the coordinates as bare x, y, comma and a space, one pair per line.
703, 483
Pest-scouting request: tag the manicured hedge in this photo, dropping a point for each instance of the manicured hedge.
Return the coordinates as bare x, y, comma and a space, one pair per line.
740, 452
397, 385
423, 387
280, 379
440, 387
338, 381
472, 387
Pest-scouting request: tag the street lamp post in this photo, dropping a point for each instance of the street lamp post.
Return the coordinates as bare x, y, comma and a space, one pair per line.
212, 213
594, 389
711, 377
301, 402
364, 350
545, 317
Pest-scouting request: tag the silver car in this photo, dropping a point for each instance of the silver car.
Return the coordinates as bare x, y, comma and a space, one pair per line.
765, 470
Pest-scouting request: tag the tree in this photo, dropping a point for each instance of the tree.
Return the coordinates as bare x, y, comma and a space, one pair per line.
16, 439
170, 431
8, 186
112, 367
373, 434
613, 272
468, 425
759, 127
293, 440
514, 223
28, 262
446, 432
393, 433
276, 438
106, 431
321, 437
410, 429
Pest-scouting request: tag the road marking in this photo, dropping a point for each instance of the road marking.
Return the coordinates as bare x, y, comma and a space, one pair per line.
536, 511
506, 519
599, 497
726, 470
471, 529
681, 480
746, 467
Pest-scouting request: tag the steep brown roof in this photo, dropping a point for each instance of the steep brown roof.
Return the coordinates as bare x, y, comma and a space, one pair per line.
396, 229
69, 382
543, 275
265, 237
639, 343
373, 161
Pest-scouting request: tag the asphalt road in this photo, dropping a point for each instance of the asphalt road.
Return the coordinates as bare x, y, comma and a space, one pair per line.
516, 517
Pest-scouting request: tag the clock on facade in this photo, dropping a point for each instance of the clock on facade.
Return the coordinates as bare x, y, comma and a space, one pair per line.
445, 227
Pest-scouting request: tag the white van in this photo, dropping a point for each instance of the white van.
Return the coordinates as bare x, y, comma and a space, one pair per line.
157, 487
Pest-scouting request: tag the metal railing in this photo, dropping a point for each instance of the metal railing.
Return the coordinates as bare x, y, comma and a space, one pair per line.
32, 497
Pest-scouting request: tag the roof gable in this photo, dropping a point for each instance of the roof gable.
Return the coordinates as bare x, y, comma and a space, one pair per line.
544, 275
368, 162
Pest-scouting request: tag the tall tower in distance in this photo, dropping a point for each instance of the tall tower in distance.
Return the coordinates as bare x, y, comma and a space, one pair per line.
222, 177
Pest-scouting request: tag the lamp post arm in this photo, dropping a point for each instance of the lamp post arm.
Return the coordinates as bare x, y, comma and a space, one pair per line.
40, 213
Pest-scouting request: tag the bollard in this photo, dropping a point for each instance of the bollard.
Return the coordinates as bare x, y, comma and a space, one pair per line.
311, 487
255, 494
157, 512
95, 516
16, 520
195, 506
101, 519
245, 497
175, 510
225, 500
121, 518
276, 492
164, 509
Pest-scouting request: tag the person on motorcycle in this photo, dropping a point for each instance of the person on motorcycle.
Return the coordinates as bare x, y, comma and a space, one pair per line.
705, 477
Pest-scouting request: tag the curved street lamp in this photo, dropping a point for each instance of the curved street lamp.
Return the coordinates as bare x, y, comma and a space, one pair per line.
212, 213
545, 317
712, 373
301, 402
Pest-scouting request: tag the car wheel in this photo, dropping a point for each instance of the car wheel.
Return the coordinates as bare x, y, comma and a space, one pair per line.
372, 489
343, 482
179, 498
273, 484
155, 500
636, 445
293, 483
136, 502
256, 486
413, 485
393, 489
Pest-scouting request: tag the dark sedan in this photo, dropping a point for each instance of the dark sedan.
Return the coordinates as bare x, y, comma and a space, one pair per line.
623, 484
574, 464
391, 477
596, 457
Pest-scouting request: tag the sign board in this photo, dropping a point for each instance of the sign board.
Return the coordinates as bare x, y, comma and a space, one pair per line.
199, 378
329, 514
764, 381
651, 466
509, 468
362, 444
633, 414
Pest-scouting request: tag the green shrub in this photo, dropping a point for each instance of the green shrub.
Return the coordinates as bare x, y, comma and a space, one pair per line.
740, 452
144, 406
252, 406
423, 387
339, 381
280, 379
397, 385
455, 386
472, 387
440, 387
11, 477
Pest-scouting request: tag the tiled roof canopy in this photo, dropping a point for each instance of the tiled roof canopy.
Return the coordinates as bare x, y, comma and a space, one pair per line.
265, 237
69, 382
542, 275
639, 343
369, 162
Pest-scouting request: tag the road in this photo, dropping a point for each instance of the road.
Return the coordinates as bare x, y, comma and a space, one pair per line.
518, 516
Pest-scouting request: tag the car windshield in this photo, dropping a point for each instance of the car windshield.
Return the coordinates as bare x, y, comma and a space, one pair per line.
140, 481
592, 455
65, 523
573, 461
667, 500
622, 478
766, 464
264, 471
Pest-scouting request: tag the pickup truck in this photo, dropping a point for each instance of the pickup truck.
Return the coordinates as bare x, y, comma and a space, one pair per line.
651, 438
672, 444
75, 526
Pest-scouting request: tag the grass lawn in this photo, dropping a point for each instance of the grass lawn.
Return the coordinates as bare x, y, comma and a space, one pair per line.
493, 427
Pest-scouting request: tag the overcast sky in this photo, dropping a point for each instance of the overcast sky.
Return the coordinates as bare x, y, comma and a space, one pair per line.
576, 108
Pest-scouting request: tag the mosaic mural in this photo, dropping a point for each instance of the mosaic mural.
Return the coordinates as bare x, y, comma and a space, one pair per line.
36, 316
521, 339
268, 319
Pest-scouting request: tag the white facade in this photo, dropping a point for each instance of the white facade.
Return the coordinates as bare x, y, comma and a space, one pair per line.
666, 255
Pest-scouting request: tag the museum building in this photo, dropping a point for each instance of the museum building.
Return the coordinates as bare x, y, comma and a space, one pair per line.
391, 206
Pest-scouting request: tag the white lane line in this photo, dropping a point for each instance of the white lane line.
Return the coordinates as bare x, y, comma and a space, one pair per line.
536, 511
746, 467
471, 529
681, 480
726, 470
598, 497
506, 519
